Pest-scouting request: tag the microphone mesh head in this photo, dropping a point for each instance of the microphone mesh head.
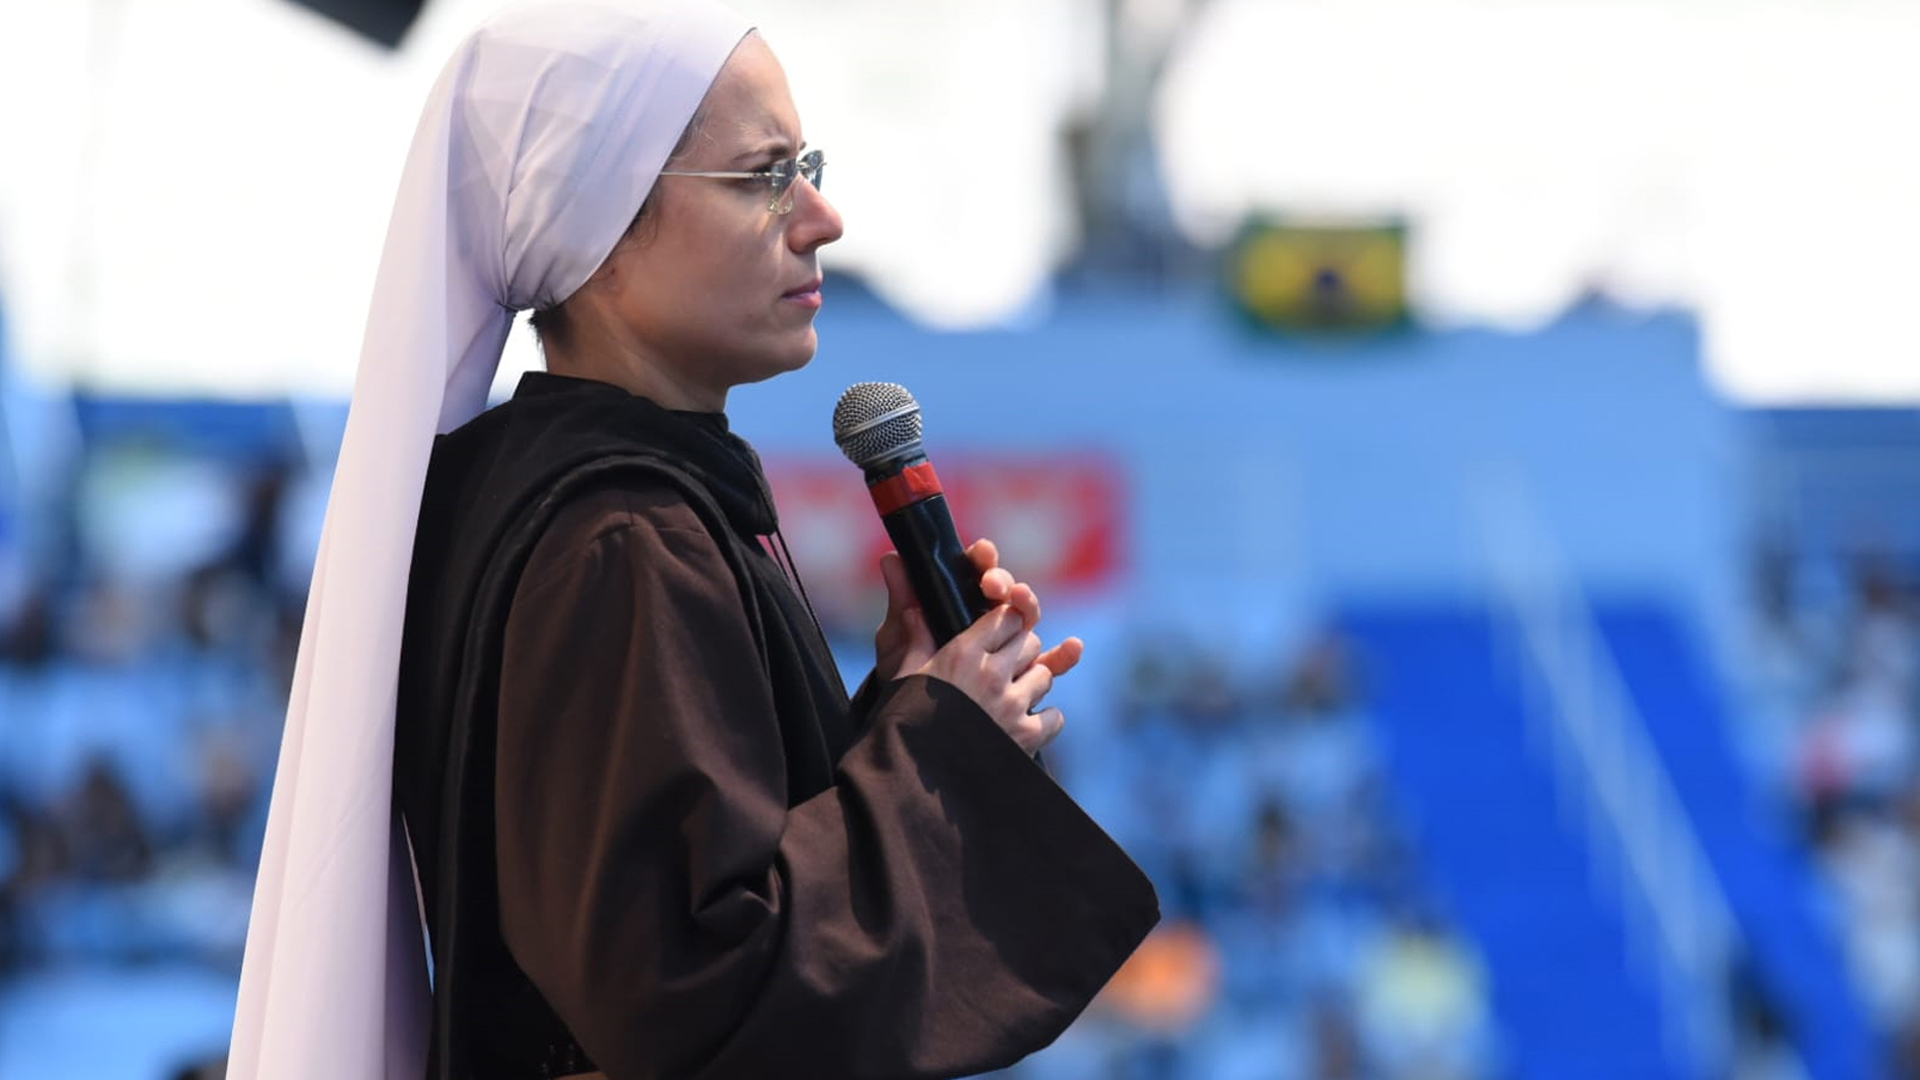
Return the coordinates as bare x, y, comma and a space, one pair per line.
876, 421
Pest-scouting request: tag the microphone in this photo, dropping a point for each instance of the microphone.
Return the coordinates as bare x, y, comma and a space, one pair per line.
877, 425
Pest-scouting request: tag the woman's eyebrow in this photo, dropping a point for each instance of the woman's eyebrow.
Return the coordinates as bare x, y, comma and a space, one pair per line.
779, 148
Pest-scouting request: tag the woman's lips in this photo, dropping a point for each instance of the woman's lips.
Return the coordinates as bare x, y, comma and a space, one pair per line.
807, 295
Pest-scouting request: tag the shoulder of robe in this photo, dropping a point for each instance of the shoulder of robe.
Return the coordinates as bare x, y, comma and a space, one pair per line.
637, 509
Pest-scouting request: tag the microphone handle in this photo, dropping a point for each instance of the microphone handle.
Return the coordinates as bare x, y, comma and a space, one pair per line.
943, 578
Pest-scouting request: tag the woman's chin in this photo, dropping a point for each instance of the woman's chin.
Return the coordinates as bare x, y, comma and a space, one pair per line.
800, 353
790, 357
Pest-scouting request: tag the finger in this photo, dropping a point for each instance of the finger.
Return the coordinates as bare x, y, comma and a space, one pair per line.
1032, 686
1054, 722
1062, 657
920, 644
899, 588
1024, 600
998, 585
1039, 729
984, 554
993, 631
1018, 655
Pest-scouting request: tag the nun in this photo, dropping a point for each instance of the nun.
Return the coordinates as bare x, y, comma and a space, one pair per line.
569, 783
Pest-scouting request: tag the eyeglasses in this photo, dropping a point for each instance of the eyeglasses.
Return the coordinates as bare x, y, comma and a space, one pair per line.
778, 176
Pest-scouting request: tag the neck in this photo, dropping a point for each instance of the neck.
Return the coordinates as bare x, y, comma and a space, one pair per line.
592, 353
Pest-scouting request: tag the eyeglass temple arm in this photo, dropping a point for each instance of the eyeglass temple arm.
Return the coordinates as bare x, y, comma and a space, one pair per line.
717, 175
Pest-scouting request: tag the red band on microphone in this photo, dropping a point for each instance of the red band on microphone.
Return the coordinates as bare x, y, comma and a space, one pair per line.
909, 486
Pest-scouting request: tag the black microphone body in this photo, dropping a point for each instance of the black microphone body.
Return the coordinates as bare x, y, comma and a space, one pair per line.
944, 579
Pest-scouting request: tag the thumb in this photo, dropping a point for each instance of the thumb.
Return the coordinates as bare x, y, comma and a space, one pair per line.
899, 589
920, 646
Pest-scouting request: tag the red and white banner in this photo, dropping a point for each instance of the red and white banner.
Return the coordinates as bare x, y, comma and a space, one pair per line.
1059, 522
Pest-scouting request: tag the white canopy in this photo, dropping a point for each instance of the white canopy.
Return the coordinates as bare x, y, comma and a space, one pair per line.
183, 181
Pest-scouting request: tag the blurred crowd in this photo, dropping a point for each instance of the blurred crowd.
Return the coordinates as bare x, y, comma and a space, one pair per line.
1299, 942
142, 718
1833, 707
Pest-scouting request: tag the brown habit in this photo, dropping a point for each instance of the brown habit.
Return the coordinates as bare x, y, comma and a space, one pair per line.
653, 834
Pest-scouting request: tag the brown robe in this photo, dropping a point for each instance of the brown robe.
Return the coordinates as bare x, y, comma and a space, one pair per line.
674, 848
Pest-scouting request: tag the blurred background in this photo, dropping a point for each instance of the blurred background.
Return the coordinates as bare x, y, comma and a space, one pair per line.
1476, 440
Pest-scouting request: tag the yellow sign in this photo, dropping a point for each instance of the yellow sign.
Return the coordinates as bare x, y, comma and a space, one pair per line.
1321, 278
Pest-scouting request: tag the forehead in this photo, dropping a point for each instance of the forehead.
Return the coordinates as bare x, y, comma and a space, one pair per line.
749, 105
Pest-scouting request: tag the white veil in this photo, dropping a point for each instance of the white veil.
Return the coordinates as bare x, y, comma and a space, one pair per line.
538, 143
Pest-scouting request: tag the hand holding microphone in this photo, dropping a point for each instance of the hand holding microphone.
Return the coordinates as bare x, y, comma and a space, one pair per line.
952, 612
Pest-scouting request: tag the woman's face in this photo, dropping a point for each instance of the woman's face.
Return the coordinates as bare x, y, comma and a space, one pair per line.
717, 290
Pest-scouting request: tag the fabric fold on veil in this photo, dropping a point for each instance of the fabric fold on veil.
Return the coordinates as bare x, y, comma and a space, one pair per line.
537, 145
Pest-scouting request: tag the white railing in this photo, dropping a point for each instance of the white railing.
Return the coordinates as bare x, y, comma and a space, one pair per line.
1611, 781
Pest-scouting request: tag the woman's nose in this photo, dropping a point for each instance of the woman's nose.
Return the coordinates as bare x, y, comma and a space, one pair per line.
813, 221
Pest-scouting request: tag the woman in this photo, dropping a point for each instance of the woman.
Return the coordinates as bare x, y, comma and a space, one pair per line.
651, 833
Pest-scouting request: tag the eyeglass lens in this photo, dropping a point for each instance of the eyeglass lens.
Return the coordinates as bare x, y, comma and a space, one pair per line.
811, 165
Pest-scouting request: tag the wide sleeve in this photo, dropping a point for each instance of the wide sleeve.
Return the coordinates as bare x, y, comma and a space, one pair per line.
943, 909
